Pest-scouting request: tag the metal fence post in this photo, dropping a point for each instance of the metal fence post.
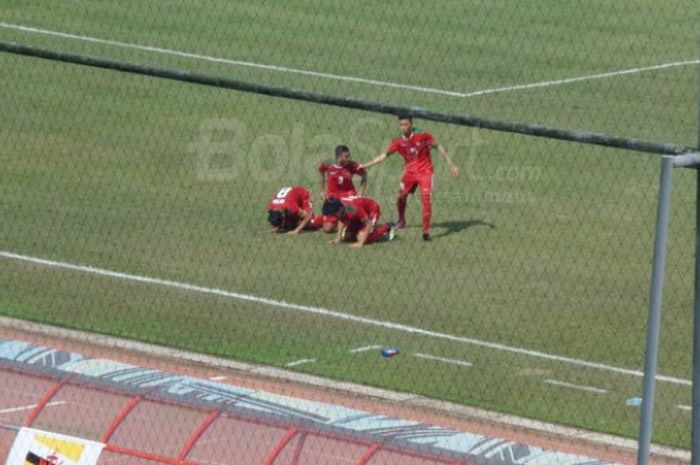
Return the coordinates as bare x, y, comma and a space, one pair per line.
654, 319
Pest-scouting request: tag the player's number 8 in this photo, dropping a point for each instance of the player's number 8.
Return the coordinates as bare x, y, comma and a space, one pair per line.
283, 192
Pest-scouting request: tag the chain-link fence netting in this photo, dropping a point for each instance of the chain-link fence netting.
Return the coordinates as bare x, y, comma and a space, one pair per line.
139, 208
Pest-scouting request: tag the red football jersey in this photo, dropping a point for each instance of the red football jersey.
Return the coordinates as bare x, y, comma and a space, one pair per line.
415, 150
292, 199
358, 208
339, 178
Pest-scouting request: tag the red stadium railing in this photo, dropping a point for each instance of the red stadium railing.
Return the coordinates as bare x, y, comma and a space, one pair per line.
292, 441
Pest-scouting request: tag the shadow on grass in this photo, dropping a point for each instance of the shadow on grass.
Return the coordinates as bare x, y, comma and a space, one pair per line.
452, 227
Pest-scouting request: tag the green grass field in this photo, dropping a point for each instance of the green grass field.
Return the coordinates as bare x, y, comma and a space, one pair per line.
541, 248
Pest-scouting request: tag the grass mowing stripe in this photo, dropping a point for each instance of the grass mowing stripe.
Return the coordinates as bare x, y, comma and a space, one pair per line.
249, 64
335, 314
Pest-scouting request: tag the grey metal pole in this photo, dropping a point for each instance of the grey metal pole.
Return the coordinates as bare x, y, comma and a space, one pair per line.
654, 319
695, 401
695, 428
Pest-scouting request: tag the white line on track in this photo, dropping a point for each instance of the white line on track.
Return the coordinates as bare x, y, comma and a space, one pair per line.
30, 407
451, 361
334, 314
555, 382
217, 378
337, 77
300, 362
363, 349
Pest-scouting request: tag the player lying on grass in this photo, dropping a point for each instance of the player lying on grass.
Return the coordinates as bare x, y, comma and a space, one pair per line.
414, 146
291, 210
357, 220
336, 181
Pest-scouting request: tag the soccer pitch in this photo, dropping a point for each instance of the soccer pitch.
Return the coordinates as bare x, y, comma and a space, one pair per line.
532, 297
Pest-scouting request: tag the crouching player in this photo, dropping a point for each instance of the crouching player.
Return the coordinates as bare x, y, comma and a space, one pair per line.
357, 220
336, 181
290, 210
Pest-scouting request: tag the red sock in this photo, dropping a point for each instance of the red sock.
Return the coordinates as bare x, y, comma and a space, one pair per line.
425, 198
401, 205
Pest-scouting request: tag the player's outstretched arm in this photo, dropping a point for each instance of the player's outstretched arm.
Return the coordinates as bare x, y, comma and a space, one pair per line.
375, 161
339, 234
322, 194
363, 184
362, 236
305, 219
454, 170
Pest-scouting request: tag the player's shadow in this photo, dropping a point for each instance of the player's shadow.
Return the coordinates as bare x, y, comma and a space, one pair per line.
451, 227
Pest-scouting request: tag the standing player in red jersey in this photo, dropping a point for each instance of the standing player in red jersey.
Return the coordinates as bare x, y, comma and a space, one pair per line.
336, 181
414, 146
357, 217
291, 210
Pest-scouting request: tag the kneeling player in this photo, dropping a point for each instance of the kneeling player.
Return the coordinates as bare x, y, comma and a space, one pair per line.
357, 218
291, 210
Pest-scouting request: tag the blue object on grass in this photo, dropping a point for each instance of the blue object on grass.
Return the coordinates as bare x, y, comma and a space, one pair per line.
390, 352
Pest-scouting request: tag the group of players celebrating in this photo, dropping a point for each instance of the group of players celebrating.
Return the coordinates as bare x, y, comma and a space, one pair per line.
354, 218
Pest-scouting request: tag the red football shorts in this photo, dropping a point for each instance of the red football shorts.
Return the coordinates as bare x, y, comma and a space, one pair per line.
411, 181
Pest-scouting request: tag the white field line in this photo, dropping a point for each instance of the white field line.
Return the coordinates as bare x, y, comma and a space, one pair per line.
686, 408
554, 382
589, 77
300, 362
227, 61
363, 349
451, 361
337, 77
30, 407
335, 314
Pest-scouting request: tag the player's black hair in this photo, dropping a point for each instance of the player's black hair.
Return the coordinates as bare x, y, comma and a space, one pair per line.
331, 206
341, 149
408, 117
276, 218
